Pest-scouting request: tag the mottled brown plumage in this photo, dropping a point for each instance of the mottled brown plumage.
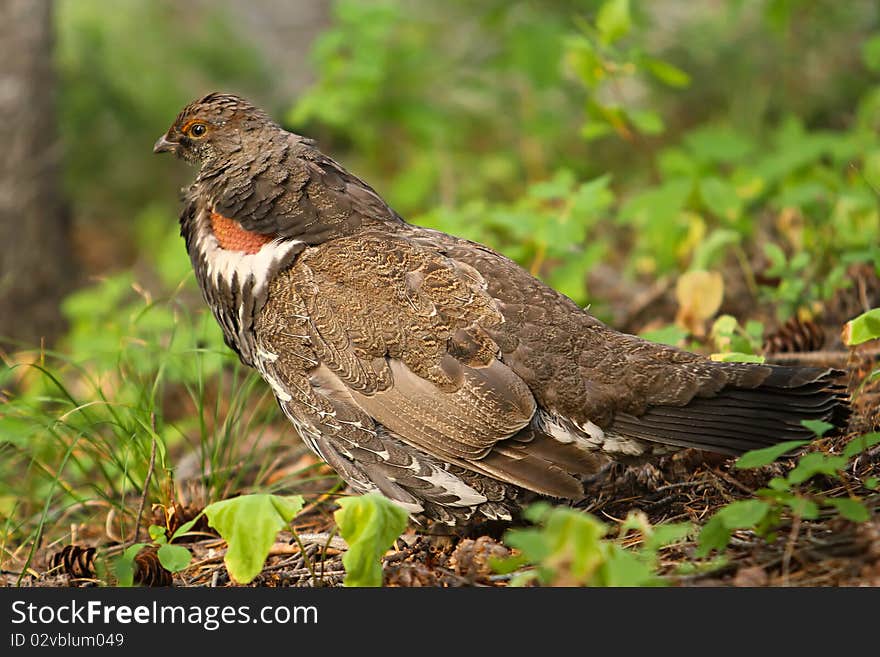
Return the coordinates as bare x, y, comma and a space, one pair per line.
430, 368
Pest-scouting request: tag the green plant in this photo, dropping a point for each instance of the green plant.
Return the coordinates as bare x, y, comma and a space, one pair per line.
789, 495
173, 558
863, 328
568, 548
249, 524
77, 429
597, 56
370, 524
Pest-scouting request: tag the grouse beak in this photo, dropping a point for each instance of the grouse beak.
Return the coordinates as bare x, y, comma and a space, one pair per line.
164, 145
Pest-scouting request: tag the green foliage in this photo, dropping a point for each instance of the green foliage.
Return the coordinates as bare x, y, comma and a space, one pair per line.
788, 495
124, 74
370, 524
760, 457
249, 524
598, 58
670, 334
729, 337
742, 514
135, 372
568, 548
173, 558
863, 328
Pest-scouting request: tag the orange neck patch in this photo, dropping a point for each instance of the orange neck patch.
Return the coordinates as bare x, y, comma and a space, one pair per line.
232, 237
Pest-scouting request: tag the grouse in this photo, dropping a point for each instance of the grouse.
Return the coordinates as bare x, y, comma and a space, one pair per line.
430, 368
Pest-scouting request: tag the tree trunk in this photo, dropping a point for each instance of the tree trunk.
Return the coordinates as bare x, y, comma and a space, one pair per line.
36, 267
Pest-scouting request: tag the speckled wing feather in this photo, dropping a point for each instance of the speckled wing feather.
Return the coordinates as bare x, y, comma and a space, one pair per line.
403, 340
642, 395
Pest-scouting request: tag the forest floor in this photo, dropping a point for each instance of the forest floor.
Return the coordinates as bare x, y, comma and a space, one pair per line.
688, 486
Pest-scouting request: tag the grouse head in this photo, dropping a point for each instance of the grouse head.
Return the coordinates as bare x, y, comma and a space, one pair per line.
211, 129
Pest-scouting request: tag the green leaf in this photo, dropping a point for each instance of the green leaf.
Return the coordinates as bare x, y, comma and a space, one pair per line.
668, 534
370, 524
710, 249
743, 514
249, 524
737, 357
871, 483
157, 533
624, 568
760, 457
814, 464
613, 20
871, 53
666, 72
818, 427
124, 566
860, 444
568, 548
646, 122
185, 527
779, 484
671, 335
803, 507
863, 328
174, 557
713, 536
720, 197
850, 509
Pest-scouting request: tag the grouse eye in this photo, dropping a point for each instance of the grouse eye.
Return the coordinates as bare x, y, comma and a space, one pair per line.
197, 130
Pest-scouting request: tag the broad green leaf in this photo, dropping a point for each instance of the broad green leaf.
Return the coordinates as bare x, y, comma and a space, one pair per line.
814, 464
668, 534
863, 328
818, 427
370, 524
871, 53
646, 121
530, 542
709, 250
613, 20
666, 72
737, 357
574, 539
624, 568
567, 549
759, 457
713, 536
871, 483
720, 197
249, 524
157, 533
174, 557
803, 507
779, 484
124, 565
185, 527
718, 144
860, 444
671, 335
743, 514
850, 509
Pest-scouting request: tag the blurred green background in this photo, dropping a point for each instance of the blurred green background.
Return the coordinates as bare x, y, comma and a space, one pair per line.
610, 146
638, 136
564, 133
